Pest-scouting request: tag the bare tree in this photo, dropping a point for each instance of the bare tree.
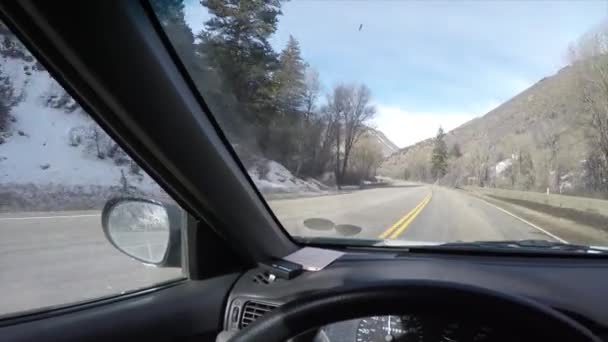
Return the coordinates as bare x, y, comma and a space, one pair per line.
311, 92
457, 173
338, 102
366, 157
547, 137
419, 165
348, 108
329, 123
595, 173
354, 121
479, 164
589, 57
97, 138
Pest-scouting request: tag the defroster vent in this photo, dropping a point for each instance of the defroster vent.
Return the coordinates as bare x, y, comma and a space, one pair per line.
253, 311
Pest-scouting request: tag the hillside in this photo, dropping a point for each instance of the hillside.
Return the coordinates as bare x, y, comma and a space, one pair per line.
385, 144
545, 118
52, 154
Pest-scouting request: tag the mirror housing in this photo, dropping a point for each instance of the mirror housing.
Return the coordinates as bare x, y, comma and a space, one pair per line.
127, 215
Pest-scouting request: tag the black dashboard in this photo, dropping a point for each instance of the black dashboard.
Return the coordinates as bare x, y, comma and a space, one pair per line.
575, 286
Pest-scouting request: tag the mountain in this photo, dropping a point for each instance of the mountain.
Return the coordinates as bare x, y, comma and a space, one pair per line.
385, 144
547, 122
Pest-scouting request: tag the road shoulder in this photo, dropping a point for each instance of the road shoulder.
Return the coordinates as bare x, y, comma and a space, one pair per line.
48, 214
568, 230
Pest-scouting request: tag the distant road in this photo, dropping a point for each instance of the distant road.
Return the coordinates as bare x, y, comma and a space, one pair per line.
53, 258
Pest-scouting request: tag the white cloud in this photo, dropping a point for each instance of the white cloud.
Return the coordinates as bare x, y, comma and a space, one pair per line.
405, 128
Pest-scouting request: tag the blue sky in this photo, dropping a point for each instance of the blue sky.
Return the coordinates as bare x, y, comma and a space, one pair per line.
431, 63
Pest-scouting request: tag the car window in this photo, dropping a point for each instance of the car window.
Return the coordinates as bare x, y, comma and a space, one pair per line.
394, 123
58, 169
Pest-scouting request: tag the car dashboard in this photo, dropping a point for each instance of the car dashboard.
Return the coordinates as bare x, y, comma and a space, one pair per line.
574, 286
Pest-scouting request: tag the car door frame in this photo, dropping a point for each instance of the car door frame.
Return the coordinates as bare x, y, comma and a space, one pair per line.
114, 59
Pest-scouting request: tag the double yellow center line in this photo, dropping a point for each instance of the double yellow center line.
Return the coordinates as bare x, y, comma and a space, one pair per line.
393, 231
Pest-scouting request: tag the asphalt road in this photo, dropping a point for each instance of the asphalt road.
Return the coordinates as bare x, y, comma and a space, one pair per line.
408, 212
49, 259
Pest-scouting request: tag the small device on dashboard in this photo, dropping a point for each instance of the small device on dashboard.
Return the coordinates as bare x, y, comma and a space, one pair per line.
282, 269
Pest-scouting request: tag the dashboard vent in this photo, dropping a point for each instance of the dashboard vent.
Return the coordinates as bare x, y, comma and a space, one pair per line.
253, 311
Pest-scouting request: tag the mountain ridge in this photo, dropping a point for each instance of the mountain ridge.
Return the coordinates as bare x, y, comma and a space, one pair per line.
386, 145
548, 112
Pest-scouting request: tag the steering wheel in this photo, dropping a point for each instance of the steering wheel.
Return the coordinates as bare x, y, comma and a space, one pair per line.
536, 321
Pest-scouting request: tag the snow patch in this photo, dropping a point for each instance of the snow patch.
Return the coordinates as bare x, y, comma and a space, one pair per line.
272, 177
503, 165
46, 142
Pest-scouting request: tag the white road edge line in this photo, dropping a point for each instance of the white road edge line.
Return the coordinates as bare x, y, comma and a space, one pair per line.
46, 217
523, 220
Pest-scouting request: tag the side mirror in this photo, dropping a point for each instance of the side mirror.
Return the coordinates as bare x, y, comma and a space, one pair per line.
145, 230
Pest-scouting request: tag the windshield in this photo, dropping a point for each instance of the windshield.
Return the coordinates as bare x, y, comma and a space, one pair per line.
411, 123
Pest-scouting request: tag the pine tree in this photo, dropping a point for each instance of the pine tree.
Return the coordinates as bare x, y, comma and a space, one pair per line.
194, 54
237, 36
439, 160
171, 16
288, 127
290, 78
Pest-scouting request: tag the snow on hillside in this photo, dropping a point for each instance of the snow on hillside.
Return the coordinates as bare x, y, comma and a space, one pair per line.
54, 157
52, 147
272, 177
40, 152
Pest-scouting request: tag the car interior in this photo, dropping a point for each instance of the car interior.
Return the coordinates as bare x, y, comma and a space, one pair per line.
246, 278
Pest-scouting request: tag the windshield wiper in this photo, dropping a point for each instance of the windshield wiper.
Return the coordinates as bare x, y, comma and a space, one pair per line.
529, 245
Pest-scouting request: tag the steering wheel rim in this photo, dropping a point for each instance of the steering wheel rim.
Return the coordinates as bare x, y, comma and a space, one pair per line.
412, 297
